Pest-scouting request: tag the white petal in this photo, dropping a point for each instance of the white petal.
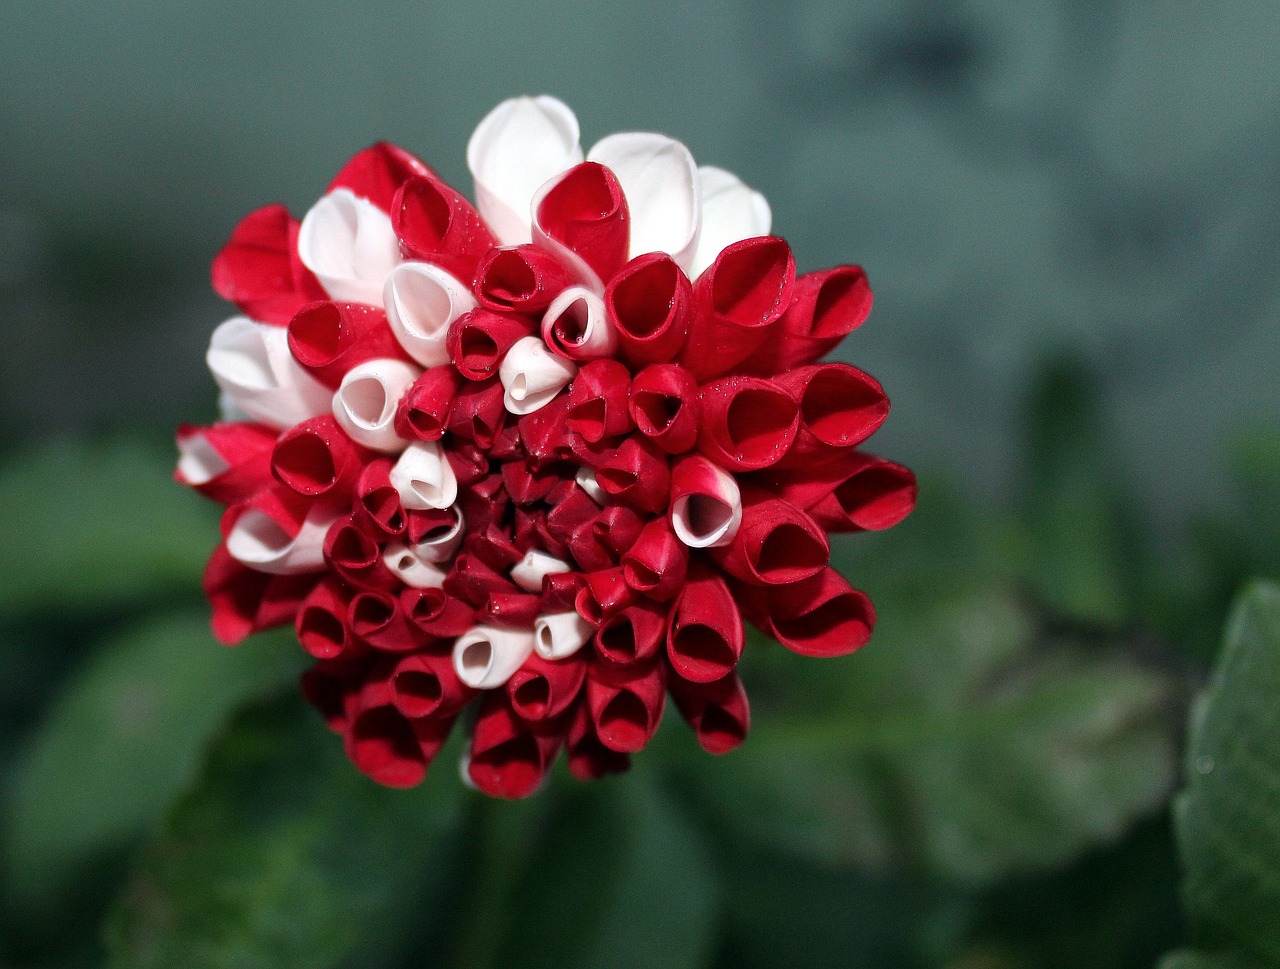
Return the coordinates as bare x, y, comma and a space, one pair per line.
529, 571
256, 372
348, 243
229, 412
486, 656
709, 521
532, 375
424, 478
258, 542
730, 212
366, 401
583, 313
560, 634
421, 301
198, 462
519, 145
586, 479
660, 180
411, 569
440, 547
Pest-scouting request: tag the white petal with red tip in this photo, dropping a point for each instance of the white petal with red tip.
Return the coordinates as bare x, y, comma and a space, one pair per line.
519, 145
709, 518
259, 377
258, 541
730, 212
421, 301
348, 243
486, 656
580, 312
660, 180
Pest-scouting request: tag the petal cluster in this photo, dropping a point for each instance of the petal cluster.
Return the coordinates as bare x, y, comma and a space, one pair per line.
533, 463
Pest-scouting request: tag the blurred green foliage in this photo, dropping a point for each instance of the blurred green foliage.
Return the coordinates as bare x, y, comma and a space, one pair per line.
985, 786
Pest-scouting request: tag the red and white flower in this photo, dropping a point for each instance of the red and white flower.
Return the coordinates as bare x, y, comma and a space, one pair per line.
540, 456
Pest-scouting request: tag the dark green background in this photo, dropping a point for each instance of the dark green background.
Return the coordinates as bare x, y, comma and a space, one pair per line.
1068, 212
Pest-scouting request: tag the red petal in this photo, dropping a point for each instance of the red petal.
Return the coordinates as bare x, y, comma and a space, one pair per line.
840, 406
357, 557
424, 410
821, 616
664, 405
317, 458
377, 619
602, 594
437, 613
378, 509
848, 492
509, 757
598, 401
748, 423
826, 306
478, 413
437, 225
626, 704
259, 270
330, 338
586, 212
706, 636
633, 635
521, 278
777, 543
736, 302
383, 746
377, 172
425, 684
656, 564
542, 689
243, 449
648, 303
321, 623
589, 759
717, 711
478, 340
636, 474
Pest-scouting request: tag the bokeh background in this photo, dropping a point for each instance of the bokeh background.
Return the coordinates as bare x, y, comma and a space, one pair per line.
1068, 211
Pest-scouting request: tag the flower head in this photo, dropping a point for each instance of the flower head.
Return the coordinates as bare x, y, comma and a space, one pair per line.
539, 457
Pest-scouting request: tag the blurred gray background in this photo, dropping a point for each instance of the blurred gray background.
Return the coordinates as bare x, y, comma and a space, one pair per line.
1018, 179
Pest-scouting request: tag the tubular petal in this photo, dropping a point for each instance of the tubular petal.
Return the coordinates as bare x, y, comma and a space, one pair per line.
366, 402
730, 212
424, 478
486, 656
330, 338
348, 243
516, 147
253, 367
648, 303
706, 635
662, 189
531, 375
706, 504
422, 301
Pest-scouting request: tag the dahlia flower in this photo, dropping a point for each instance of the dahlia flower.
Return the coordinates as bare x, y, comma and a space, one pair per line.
535, 458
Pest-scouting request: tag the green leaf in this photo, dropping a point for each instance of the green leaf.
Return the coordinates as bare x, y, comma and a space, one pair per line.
283, 855
607, 875
90, 525
957, 743
123, 739
1229, 815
